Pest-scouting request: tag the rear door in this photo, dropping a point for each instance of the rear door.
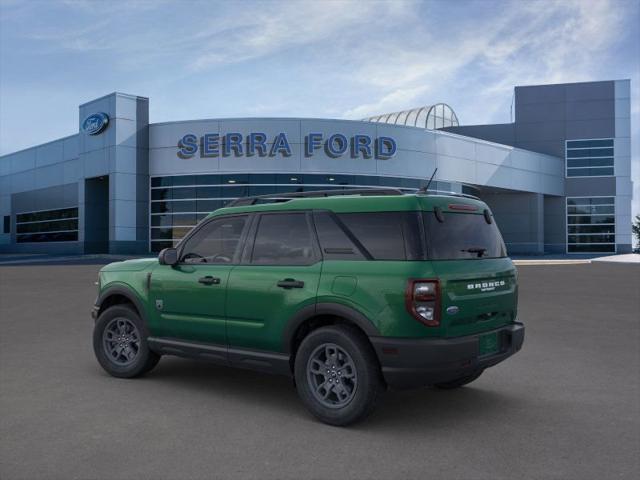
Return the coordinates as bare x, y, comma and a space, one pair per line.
278, 276
477, 279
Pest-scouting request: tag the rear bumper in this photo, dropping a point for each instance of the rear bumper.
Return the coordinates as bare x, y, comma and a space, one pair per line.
409, 363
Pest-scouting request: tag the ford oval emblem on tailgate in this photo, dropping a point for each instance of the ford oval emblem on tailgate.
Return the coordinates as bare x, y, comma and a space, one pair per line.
452, 310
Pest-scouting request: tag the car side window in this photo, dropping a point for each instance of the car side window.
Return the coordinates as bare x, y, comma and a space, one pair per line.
334, 242
386, 235
283, 239
216, 242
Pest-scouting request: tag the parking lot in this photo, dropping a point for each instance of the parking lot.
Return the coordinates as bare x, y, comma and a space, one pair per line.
566, 406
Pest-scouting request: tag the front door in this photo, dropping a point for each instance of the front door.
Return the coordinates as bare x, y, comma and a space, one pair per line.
279, 275
189, 298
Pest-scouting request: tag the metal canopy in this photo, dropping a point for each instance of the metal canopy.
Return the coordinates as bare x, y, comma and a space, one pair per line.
430, 117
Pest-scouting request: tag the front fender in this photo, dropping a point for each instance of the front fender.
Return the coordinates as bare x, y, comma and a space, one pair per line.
124, 290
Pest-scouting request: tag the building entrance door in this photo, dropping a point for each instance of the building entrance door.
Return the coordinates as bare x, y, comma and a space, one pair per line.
96, 215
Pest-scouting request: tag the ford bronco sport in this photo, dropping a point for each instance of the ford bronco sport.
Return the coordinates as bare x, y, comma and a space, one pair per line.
348, 292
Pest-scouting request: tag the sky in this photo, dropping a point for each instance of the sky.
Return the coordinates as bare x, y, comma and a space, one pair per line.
323, 59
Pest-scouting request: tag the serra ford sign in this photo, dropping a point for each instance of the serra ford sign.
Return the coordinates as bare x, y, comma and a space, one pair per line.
258, 144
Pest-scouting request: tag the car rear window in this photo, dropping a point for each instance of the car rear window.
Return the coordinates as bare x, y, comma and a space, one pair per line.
462, 236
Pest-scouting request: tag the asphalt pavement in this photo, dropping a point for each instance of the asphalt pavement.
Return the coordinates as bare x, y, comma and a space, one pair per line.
567, 406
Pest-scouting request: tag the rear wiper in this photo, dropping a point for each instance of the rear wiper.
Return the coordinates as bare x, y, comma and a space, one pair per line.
480, 251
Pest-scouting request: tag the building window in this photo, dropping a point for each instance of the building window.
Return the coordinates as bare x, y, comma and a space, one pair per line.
179, 202
6, 228
591, 225
589, 158
60, 225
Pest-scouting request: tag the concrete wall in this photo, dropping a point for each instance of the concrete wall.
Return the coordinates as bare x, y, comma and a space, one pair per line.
622, 165
503, 133
520, 217
548, 115
43, 168
49, 198
528, 159
121, 152
555, 225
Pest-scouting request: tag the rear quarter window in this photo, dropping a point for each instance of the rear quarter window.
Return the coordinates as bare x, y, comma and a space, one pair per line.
386, 235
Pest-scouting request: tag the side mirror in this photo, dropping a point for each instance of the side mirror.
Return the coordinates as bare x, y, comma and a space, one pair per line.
168, 256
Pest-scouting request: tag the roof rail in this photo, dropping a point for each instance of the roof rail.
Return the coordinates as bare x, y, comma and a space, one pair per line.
285, 197
447, 193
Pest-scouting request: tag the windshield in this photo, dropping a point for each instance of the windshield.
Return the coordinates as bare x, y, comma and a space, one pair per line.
462, 236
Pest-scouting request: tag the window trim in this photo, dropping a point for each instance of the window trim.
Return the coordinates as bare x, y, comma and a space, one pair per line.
405, 240
247, 254
236, 256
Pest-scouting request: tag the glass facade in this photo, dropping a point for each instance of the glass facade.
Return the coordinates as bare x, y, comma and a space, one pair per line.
591, 225
589, 158
178, 203
60, 225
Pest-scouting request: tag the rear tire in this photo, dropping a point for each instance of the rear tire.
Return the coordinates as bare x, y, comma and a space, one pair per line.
459, 382
337, 375
120, 343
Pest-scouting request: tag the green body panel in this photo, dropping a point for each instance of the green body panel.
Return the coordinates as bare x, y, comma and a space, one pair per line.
190, 310
478, 310
247, 309
380, 294
136, 265
258, 310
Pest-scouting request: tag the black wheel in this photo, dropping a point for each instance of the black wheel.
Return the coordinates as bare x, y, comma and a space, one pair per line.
337, 375
120, 343
459, 382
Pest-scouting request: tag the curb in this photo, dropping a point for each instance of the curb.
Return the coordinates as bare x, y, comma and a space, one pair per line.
551, 262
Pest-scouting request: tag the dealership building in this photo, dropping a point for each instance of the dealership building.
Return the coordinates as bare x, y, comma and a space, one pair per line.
558, 178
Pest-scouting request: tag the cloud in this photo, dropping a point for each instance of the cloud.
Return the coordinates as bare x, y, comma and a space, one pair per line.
525, 44
387, 104
267, 30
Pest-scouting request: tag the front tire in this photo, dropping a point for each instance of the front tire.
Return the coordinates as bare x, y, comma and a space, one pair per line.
337, 375
120, 343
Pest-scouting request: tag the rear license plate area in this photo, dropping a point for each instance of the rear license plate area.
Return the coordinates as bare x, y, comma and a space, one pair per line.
488, 344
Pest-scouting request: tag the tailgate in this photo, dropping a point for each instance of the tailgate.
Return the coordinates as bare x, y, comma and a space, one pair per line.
477, 295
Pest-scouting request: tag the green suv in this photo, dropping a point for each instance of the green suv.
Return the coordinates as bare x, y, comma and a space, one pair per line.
348, 292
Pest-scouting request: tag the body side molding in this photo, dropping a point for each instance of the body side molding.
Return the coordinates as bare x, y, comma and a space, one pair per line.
269, 362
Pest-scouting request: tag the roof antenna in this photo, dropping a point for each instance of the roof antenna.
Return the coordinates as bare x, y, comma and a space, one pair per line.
425, 188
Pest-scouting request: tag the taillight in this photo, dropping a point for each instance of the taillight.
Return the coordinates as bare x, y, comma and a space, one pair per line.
422, 300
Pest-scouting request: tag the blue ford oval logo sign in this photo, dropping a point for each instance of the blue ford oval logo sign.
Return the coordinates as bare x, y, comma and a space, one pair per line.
95, 123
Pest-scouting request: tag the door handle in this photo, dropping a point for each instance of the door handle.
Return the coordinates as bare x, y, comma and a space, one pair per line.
209, 280
290, 283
